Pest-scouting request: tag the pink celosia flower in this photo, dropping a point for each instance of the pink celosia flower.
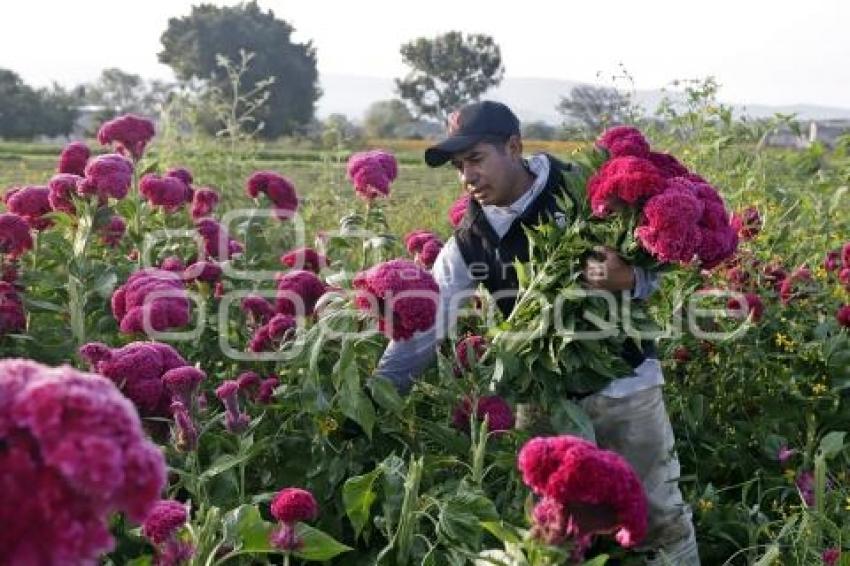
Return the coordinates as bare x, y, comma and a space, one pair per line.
234, 419
167, 307
292, 505
668, 165
550, 524
304, 258
748, 223
129, 133
499, 415
61, 190
372, 172
540, 457
31, 204
623, 140
164, 520
458, 210
784, 454
12, 315
751, 305
112, 232
204, 201
217, 242
15, 237
168, 192
73, 158
278, 188
107, 176
258, 308
298, 291
842, 315
74, 453
623, 181
401, 294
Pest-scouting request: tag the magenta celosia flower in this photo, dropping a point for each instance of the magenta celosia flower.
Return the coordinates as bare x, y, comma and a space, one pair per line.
372, 172
424, 246
623, 140
774, 275
293, 504
15, 237
304, 258
61, 190
414, 241
401, 294
831, 556
278, 188
206, 271
550, 524
249, 383
500, 416
842, 315
748, 223
112, 232
805, 483
73, 158
784, 454
181, 173
681, 354
129, 133
184, 432
751, 305
458, 210
298, 291
270, 335
31, 204
172, 263
599, 491
845, 255
469, 350
73, 454
669, 229
844, 277
285, 538
668, 165
12, 315
182, 383
257, 308
217, 242
266, 392
234, 419
154, 297
204, 201
832, 261
737, 278
168, 192
107, 176
164, 520
623, 181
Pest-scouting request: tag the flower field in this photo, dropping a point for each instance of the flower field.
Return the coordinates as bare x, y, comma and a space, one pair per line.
192, 342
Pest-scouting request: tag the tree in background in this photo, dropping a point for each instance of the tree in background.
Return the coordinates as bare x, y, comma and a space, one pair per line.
595, 108
388, 119
448, 71
191, 45
539, 130
26, 112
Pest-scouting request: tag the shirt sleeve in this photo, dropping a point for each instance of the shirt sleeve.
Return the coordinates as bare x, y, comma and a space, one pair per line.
646, 283
403, 361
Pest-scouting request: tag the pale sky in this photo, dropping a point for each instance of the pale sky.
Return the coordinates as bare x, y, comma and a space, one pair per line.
778, 52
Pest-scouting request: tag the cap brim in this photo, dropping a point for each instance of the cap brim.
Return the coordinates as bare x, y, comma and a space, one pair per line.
438, 154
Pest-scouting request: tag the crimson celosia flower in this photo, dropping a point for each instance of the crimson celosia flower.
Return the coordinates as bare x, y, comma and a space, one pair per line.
298, 291
458, 210
234, 419
278, 188
286, 538
73, 454
623, 181
424, 246
748, 223
293, 504
304, 258
774, 274
737, 278
112, 232
401, 294
61, 190
249, 383
669, 230
129, 133
372, 172
204, 201
151, 296
469, 350
172, 263
168, 192
164, 520
73, 158
206, 271
668, 165
842, 315
844, 277
831, 556
31, 204
258, 308
15, 237
845, 255
107, 176
681, 354
270, 335
181, 173
217, 242
623, 140
751, 306
500, 416
832, 261
266, 392
12, 315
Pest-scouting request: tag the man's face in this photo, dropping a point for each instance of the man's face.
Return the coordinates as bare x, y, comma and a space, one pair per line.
487, 172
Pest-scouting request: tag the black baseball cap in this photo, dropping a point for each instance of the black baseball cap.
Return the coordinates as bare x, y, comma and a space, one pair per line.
471, 124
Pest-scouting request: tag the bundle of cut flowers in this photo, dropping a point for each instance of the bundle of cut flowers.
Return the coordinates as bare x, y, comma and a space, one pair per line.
649, 209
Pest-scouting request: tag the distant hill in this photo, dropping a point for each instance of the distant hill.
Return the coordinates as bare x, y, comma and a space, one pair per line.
531, 98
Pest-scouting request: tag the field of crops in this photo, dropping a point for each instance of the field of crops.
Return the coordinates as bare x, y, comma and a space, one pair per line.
237, 405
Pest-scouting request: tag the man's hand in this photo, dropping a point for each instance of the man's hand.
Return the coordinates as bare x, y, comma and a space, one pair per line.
610, 273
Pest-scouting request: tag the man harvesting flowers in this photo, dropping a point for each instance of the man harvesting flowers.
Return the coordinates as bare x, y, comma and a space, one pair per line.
511, 194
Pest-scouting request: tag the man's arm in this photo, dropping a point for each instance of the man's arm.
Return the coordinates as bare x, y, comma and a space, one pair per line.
403, 361
613, 274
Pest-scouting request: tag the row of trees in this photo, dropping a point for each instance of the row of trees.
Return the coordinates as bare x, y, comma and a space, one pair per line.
445, 72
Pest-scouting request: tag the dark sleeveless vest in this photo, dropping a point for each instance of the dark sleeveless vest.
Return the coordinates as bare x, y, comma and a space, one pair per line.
490, 258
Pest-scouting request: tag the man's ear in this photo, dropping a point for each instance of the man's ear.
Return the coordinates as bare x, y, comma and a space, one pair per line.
514, 146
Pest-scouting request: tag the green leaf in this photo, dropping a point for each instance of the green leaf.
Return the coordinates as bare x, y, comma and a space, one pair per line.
461, 516
318, 545
222, 464
358, 494
832, 444
570, 418
245, 527
501, 531
356, 406
385, 394
596, 560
